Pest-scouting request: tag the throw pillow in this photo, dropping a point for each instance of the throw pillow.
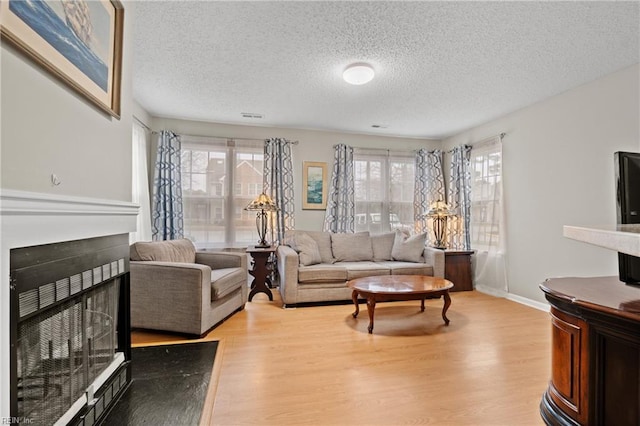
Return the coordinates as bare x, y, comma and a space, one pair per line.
307, 249
323, 239
382, 244
351, 247
408, 249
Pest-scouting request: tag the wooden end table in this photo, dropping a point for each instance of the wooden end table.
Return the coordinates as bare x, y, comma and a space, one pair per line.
261, 270
399, 287
457, 269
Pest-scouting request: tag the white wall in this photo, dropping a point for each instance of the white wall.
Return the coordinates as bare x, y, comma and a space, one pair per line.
313, 145
558, 170
48, 128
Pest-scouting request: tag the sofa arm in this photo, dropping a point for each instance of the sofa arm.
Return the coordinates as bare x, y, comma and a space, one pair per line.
435, 258
222, 259
169, 295
288, 272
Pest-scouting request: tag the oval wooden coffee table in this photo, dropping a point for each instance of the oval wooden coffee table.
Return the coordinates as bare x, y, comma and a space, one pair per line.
399, 287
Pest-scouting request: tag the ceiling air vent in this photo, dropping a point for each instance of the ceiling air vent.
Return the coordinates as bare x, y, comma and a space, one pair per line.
251, 115
379, 126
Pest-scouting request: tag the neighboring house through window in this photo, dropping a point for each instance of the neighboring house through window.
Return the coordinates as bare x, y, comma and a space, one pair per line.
215, 171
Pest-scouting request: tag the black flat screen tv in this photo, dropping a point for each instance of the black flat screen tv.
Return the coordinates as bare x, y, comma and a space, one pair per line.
627, 168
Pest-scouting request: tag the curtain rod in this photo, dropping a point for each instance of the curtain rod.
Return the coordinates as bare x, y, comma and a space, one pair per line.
483, 141
140, 122
236, 138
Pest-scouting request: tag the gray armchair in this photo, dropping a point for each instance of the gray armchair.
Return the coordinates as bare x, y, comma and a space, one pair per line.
174, 288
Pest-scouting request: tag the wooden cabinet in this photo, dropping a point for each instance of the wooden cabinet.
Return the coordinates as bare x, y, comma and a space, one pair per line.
595, 357
457, 269
569, 359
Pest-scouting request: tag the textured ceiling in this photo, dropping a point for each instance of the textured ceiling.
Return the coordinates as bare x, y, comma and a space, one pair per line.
441, 67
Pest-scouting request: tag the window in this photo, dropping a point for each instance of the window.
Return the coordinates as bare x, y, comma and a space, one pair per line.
214, 173
486, 177
383, 183
254, 189
140, 184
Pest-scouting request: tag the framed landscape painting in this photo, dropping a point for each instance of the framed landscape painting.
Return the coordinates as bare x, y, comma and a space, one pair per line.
79, 42
314, 185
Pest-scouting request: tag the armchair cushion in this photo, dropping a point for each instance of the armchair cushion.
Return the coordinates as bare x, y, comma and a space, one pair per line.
226, 281
164, 251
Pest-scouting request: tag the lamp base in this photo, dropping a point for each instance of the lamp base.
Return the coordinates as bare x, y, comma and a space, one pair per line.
262, 245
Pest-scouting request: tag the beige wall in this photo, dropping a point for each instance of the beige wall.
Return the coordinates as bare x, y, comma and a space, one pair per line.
313, 145
558, 170
49, 129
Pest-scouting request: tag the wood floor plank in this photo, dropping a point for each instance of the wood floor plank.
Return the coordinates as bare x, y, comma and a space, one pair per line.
319, 366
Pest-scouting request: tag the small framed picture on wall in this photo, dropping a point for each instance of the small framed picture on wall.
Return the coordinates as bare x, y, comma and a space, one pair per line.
314, 185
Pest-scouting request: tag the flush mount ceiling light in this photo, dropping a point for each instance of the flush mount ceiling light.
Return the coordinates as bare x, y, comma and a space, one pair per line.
358, 74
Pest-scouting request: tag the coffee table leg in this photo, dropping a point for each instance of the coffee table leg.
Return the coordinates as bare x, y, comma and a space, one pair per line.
354, 297
371, 307
422, 305
447, 303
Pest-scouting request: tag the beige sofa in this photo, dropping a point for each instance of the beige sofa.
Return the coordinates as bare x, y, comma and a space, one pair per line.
174, 288
315, 266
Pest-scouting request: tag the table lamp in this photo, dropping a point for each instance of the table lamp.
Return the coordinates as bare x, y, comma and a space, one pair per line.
439, 212
262, 205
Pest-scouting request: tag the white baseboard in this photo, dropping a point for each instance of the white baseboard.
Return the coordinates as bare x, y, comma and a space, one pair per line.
491, 291
514, 298
531, 303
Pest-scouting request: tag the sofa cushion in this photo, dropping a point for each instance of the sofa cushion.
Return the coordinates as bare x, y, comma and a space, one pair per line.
382, 244
408, 249
322, 273
225, 281
348, 247
322, 239
408, 268
164, 251
364, 269
306, 247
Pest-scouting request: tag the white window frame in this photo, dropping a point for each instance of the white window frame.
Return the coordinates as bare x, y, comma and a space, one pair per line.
388, 207
229, 195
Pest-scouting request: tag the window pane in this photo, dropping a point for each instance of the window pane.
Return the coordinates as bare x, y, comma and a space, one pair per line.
384, 192
485, 197
214, 201
247, 183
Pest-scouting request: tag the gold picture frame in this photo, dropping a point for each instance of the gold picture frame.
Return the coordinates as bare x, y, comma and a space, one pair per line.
314, 185
80, 43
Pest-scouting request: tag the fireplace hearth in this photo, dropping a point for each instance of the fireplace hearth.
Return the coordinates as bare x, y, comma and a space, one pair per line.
69, 334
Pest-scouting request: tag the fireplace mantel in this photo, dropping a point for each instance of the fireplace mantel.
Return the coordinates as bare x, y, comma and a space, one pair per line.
29, 219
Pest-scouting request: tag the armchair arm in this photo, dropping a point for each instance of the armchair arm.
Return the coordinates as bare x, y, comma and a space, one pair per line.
169, 295
288, 272
222, 259
435, 258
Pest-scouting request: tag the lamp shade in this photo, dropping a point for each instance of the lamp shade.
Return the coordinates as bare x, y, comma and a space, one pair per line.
439, 209
358, 74
263, 202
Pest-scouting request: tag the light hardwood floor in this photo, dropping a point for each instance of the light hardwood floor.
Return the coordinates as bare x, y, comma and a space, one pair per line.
319, 366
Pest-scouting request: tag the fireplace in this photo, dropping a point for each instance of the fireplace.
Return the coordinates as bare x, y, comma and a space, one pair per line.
63, 266
69, 330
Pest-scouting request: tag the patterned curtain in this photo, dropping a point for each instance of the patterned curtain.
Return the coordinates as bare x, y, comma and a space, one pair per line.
341, 205
428, 188
278, 184
168, 221
460, 199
